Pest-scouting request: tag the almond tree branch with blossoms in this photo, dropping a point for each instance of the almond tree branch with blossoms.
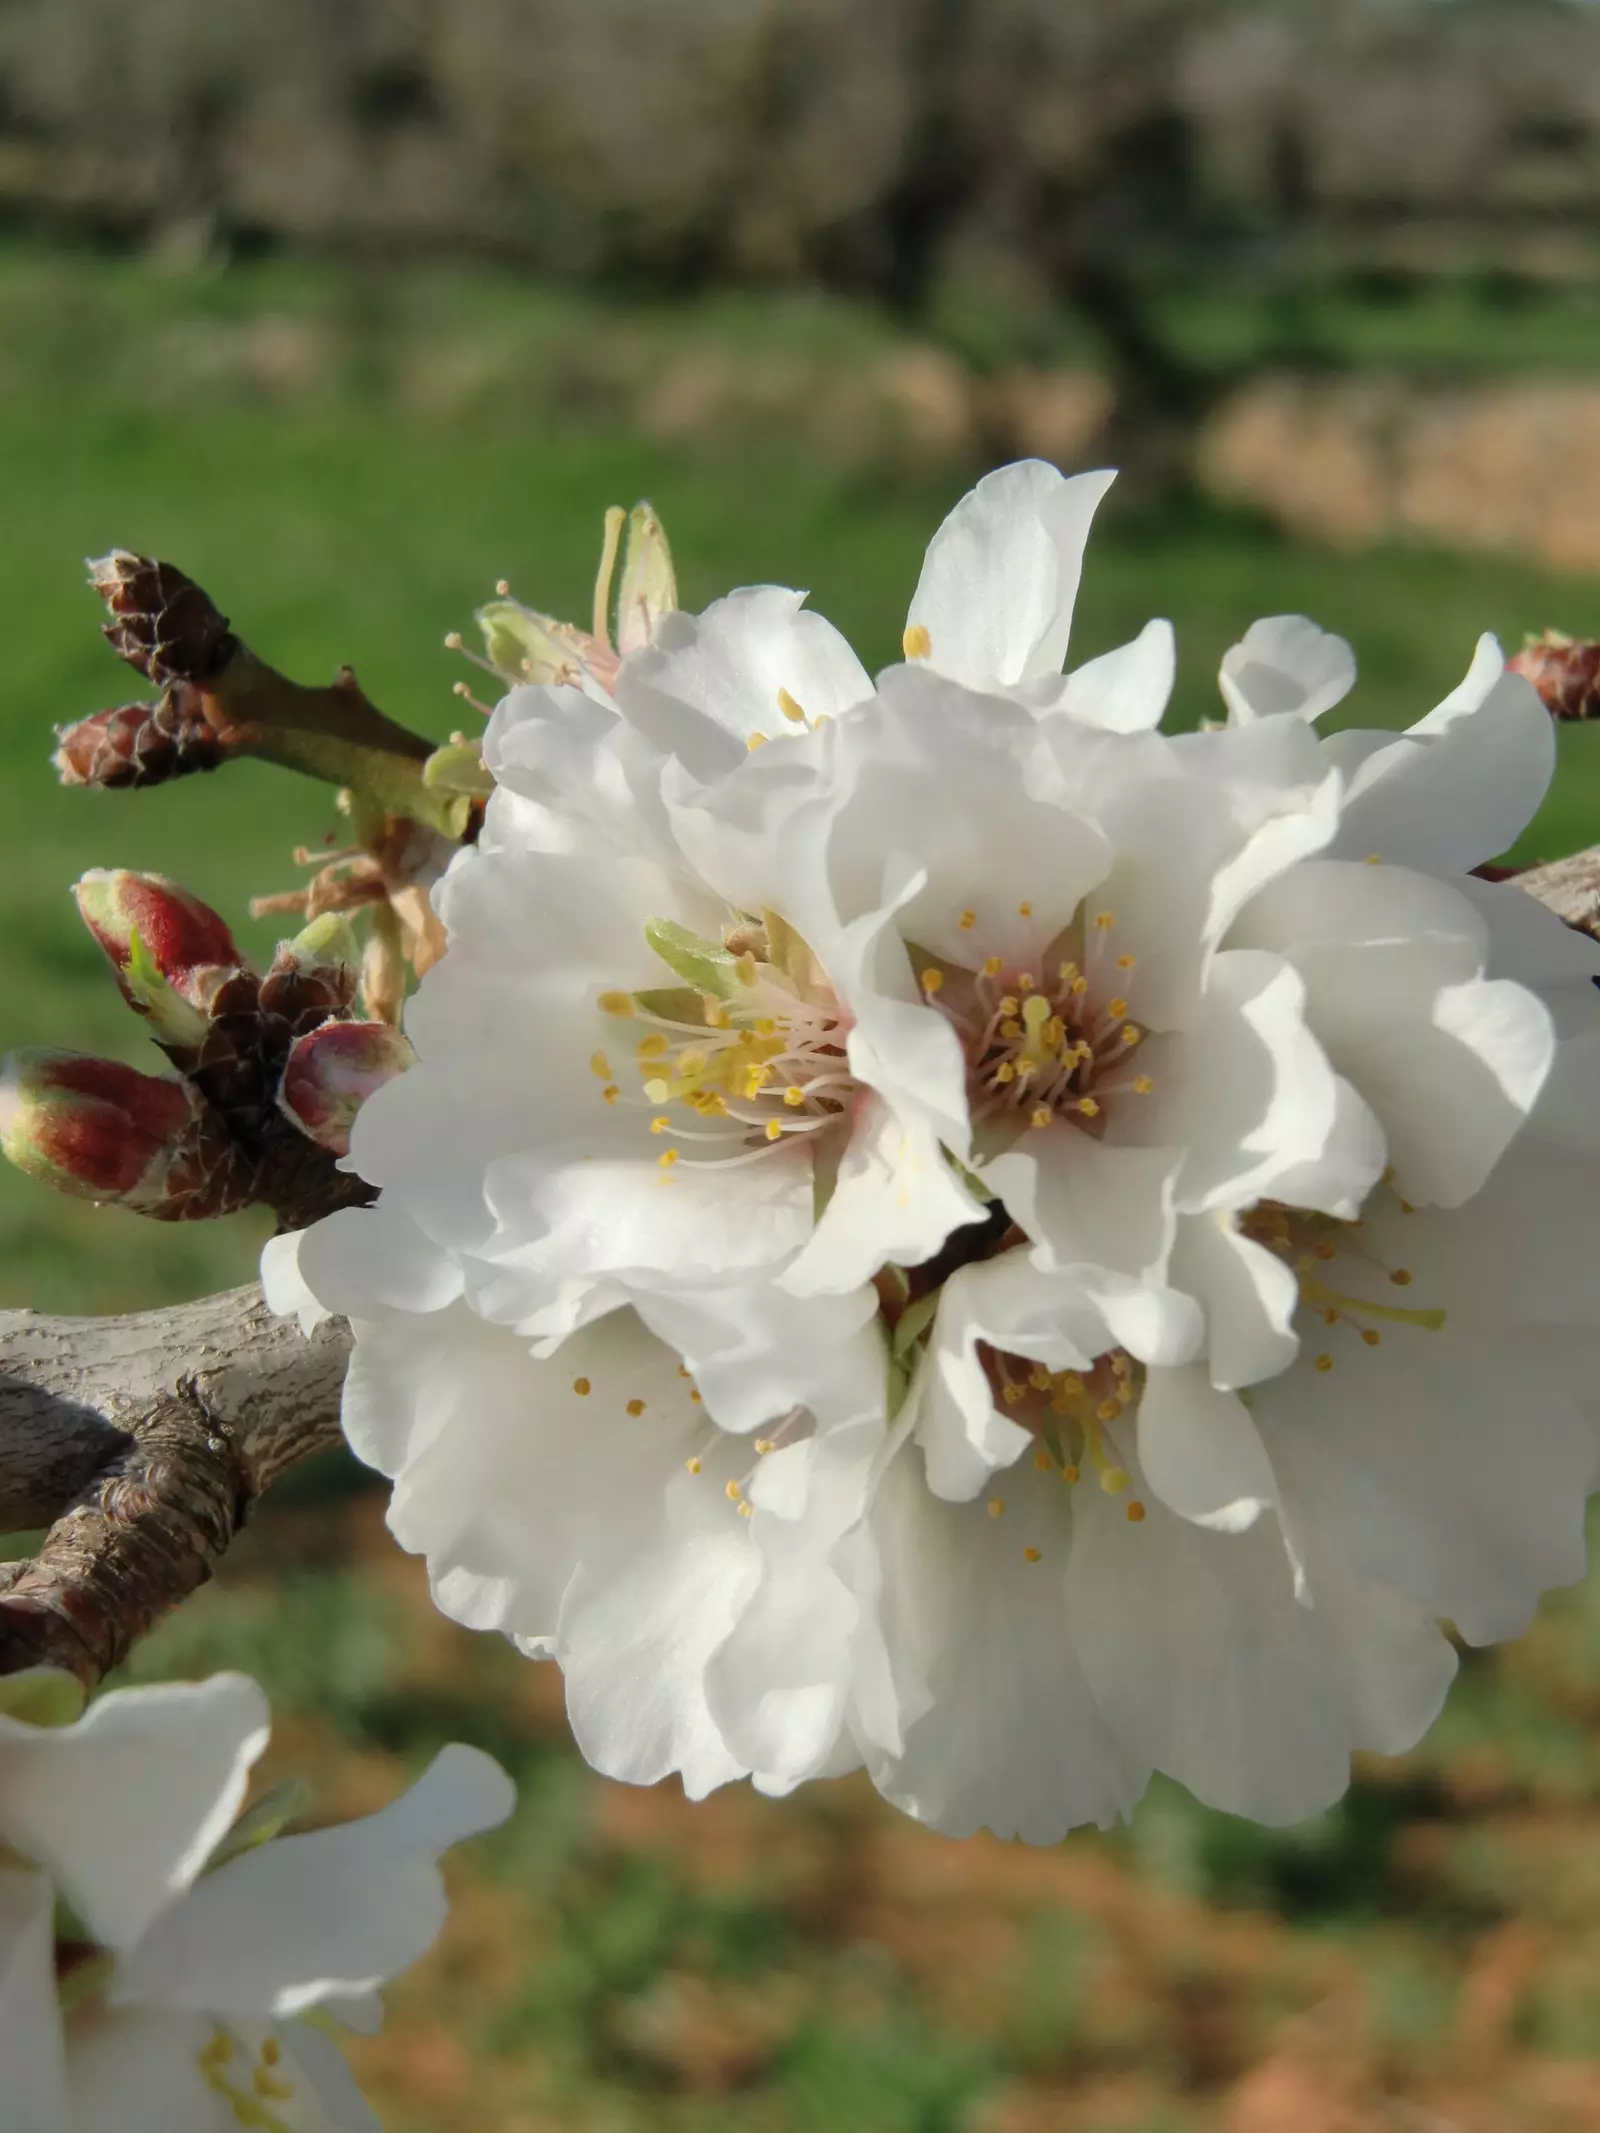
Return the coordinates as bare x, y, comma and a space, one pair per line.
915, 1222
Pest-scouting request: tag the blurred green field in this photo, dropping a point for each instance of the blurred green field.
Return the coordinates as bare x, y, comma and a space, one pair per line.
622, 1960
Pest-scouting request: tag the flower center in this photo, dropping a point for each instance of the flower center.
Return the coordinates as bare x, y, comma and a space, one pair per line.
249, 2087
1049, 1039
748, 1052
1325, 1253
1075, 1418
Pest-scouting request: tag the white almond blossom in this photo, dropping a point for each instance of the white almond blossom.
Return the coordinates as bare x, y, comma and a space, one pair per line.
986, 1241
158, 1976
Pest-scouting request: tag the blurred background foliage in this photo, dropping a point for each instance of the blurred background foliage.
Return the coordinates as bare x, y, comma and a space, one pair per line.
352, 307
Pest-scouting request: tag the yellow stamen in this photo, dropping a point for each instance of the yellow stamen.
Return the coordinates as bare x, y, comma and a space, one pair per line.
693, 1465
616, 1003
993, 965
1127, 962
1135, 1513
794, 1098
915, 641
932, 981
746, 1511
968, 920
732, 1491
1104, 921
1030, 1555
790, 709
1401, 1277
1005, 1071
1072, 1473
582, 1387
1324, 1363
1042, 1115
1088, 1106
611, 1092
636, 1408
996, 1507
1024, 910
651, 1047
756, 740
600, 1065
774, 1130
667, 1158
1041, 1459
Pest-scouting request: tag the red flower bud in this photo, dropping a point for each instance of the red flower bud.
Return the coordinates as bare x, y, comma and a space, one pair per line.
333, 1070
171, 952
102, 1131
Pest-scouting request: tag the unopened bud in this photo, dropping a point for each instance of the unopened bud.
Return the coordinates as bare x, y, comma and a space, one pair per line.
458, 767
649, 587
1564, 670
312, 977
527, 647
171, 952
101, 1131
162, 623
331, 1073
140, 744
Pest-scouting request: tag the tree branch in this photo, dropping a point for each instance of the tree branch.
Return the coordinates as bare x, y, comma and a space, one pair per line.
144, 1442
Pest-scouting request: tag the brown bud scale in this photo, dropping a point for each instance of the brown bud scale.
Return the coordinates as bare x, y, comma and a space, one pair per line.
140, 744
162, 623
1565, 671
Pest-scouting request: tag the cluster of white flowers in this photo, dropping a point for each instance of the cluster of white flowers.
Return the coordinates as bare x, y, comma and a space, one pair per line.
937, 1227
163, 1971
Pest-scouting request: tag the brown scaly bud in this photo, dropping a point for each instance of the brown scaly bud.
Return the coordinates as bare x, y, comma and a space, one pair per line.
171, 953
140, 744
162, 623
331, 1073
255, 1021
101, 1131
1565, 671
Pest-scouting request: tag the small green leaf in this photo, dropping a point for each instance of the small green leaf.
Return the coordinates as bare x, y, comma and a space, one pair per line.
458, 767
790, 952
700, 963
674, 1003
269, 1818
42, 1696
914, 1321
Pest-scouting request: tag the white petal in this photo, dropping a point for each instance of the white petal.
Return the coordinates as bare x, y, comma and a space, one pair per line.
1000, 578
1250, 1298
897, 1198
139, 2072
1012, 1740
310, 1918
362, 1260
284, 1288
31, 2063
320, 2066
1086, 1203
1204, 1661
757, 1352
1201, 1453
171, 1762
1285, 663
1125, 691
711, 681
1461, 785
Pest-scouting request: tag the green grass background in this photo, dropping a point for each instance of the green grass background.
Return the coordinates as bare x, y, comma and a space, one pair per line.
626, 1961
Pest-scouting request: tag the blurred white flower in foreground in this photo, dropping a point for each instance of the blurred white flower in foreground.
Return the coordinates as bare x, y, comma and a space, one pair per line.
1081, 1271
156, 1979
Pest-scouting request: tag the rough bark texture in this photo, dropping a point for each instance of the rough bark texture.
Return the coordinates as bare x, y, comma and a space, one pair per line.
143, 1442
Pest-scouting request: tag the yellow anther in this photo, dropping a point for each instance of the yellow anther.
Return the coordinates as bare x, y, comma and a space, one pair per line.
1127, 962
1108, 1410
600, 1065
790, 709
1116, 1009
1042, 1115
667, 1158
1031, 1555
915, 641
582, 1388
932, 981
1130, 1033
1114, 1479
747, 968
1039, 1378
1072, 1473
1406, 1208
1011, 1030
1401, 1277
651, 1047
1079, 985
993, 965
693, 1465
1054, 1033
271, 2051
1005, 1071
697, 1398
1142, 1084
1121, 1363
1008, 1005
968, 920
1373, 859
636, 1408
611, 1092
617, 1003
732, 1491
1041, 1459
1135, 1513
683, 1372
1014, 1395
1088, 1106
1371, 1336
692, 1061
1104, 921
996, 1507
1024, 910
774, 1130
1330, 1318
1324, 1363
746, 1511
1066, 972
766, 1026
794, 1098
756, 740
660, 1125
765, 1445
1026, 981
